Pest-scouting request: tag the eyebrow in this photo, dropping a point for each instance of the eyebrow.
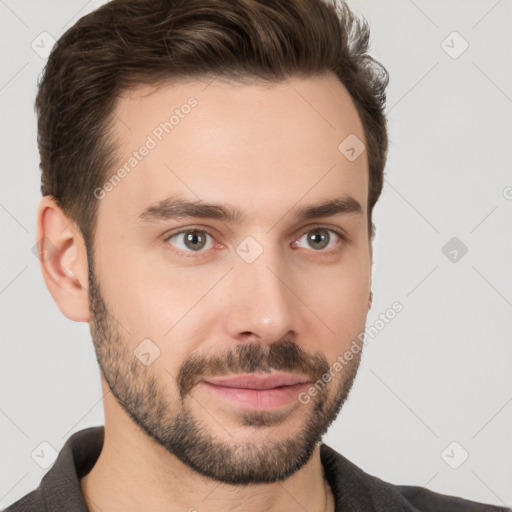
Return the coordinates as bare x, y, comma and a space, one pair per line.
176, 208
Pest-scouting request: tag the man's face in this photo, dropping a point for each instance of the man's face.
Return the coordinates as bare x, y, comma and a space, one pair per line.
181, 300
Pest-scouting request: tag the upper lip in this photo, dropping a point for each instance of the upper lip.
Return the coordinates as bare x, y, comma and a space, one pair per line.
254, 381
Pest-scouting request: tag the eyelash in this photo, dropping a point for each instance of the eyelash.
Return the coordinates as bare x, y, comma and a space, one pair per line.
195, 254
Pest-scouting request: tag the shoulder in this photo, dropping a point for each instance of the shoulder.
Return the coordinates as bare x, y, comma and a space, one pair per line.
59, 489
425, 500
354, 489
31, 502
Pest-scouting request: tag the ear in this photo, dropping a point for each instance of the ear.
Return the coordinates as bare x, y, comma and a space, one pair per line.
63, 259
370, 244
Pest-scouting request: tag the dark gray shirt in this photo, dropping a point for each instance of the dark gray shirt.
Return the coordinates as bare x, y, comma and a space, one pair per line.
353, 489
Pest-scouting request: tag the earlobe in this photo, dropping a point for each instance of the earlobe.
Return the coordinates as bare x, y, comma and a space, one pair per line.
63, 260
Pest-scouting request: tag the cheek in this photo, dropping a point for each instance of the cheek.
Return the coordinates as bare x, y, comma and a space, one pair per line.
143, 305
342, 304
345, 282
163, 305
339, 296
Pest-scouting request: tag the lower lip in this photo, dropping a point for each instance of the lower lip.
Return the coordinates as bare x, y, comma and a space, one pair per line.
259, 399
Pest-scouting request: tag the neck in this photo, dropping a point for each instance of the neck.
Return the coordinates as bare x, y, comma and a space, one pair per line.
135, 473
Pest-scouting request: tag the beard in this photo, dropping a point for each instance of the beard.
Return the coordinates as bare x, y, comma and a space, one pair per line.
144, 396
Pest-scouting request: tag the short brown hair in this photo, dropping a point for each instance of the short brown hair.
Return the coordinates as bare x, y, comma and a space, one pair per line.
126, 43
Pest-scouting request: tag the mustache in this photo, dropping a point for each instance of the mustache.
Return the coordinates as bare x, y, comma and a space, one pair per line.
283, 355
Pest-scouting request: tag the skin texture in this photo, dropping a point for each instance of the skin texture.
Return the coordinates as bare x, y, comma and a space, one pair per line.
170, 442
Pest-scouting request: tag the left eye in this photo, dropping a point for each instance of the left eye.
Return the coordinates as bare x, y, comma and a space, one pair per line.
192, 240
320, 239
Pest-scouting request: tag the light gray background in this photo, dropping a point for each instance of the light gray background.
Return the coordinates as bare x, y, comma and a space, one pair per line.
439, 372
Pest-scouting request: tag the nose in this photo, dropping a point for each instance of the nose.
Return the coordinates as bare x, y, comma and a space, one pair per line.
261, 305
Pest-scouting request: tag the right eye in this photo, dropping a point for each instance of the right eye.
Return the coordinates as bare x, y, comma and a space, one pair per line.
191, 240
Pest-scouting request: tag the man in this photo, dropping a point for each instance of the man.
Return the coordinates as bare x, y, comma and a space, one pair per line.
209, 173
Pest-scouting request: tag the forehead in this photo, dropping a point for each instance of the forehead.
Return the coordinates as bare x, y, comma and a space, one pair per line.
261, 146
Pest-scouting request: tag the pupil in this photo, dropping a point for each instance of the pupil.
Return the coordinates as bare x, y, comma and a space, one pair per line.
193, 240
319, 238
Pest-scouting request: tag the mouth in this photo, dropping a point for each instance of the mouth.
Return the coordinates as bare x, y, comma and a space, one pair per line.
258, 392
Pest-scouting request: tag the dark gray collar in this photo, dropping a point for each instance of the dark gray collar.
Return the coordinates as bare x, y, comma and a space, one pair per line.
353, 489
